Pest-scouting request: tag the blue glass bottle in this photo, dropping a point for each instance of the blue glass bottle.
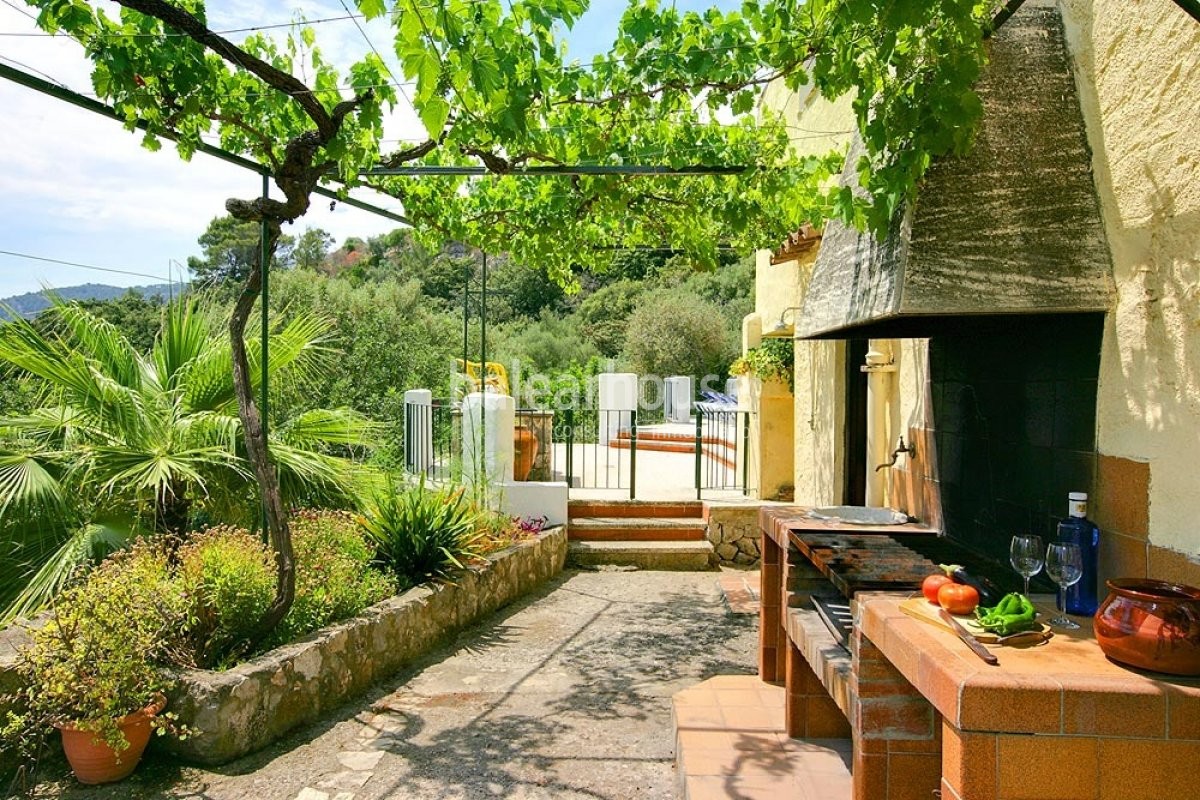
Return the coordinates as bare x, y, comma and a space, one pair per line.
1077, 528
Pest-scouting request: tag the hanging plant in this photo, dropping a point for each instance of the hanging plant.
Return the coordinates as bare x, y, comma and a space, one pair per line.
774, 360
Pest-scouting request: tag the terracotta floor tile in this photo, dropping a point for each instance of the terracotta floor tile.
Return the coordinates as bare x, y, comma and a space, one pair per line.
771, 693
705, 739
695, 697
753, 718
701, 717
738, 697
760, 788
729, 762
756, 740
828, 786
732, 682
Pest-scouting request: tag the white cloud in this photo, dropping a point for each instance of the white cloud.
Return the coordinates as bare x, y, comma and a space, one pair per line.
77, 186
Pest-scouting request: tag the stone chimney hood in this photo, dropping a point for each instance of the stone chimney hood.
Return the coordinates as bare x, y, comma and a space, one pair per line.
1011, 228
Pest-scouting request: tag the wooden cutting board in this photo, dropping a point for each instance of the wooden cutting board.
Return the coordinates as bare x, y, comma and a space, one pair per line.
922, 609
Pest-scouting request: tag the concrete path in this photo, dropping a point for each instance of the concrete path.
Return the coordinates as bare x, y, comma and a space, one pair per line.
565, 695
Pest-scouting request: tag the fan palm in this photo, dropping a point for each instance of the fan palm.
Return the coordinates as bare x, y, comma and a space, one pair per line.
126, 443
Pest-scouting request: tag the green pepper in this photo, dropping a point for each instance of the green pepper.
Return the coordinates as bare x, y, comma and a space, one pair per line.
1013, 614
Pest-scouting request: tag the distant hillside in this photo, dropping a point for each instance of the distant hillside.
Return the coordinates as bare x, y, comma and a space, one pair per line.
33, 303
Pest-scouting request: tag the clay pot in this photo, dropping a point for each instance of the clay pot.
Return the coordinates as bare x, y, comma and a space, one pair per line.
1152, 625
94, 761
525, 450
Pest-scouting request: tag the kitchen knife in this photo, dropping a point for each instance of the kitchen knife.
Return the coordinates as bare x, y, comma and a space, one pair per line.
967, 639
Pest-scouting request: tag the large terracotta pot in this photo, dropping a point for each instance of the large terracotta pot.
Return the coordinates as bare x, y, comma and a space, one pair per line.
94, 761
1152, 625
525, 450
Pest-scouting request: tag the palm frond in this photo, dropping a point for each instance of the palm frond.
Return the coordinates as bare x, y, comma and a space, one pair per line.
28, 484
24, 346
49, 426
323, 426
30, 578
101, 342
311, 478
155, 473
183, 338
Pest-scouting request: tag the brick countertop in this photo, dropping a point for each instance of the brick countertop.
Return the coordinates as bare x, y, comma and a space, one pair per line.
1065, 686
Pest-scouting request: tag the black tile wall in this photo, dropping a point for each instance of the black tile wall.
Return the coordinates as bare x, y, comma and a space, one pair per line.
1014, 416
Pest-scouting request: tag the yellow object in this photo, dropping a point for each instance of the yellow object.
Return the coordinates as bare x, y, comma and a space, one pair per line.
497, 376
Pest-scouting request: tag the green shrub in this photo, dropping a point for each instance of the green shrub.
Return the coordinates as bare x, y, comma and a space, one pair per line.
674, 333
230, 576
106, 652
334, 576
421, 534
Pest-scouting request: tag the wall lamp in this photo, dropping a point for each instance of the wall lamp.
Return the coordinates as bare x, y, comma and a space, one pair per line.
782, 329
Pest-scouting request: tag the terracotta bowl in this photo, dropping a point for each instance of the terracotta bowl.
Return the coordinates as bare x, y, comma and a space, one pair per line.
1151, 625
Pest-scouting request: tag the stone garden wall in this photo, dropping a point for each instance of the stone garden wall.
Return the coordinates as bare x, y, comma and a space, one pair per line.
246, 708
241, 710
734, 533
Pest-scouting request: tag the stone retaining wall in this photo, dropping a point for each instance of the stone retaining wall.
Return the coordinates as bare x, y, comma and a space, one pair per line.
246, 708
241, 710
734, 533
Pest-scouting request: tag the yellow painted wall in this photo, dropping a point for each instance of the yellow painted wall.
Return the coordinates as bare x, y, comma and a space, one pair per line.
1138, 71
776, 288
815, 127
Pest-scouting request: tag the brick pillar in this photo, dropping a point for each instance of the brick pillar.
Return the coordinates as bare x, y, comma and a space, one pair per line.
770, 627
897, 732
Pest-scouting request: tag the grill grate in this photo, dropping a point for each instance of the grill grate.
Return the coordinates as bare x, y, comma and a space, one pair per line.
865, 562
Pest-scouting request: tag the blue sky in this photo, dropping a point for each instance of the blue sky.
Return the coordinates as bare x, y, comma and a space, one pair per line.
77, 187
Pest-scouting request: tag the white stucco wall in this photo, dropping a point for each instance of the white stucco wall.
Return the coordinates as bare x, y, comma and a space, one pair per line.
1138, 72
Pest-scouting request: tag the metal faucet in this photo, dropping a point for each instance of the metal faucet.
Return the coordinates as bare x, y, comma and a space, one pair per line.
901, 447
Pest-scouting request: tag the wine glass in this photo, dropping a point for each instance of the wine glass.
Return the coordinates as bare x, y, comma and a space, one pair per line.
1025, 554
1064, 565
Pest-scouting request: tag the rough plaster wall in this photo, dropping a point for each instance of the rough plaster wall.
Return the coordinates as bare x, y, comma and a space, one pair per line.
1138, 66
819, 404
815, 126
820, 389
776, 287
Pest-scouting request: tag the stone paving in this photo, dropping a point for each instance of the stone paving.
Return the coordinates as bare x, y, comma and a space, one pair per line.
566, 695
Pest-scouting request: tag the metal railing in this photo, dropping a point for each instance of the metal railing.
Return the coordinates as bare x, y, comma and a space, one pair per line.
599, 448
588, 448
434, 442
722, 449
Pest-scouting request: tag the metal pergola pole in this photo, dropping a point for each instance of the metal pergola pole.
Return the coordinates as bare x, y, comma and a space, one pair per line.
264, 265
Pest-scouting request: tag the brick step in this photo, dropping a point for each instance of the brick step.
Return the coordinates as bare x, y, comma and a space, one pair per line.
723, 453
641, 529
688, 438
634, 508
678, 556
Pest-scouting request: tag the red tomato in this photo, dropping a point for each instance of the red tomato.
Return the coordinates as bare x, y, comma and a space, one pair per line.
930, 586
958, 598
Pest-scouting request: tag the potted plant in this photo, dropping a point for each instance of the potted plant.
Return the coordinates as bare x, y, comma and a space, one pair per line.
99, 667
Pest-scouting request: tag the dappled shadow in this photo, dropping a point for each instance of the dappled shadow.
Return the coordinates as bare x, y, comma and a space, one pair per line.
564, 694
624, 658
658, 645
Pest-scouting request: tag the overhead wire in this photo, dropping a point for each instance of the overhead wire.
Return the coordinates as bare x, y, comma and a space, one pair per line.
91, 267
398, 84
